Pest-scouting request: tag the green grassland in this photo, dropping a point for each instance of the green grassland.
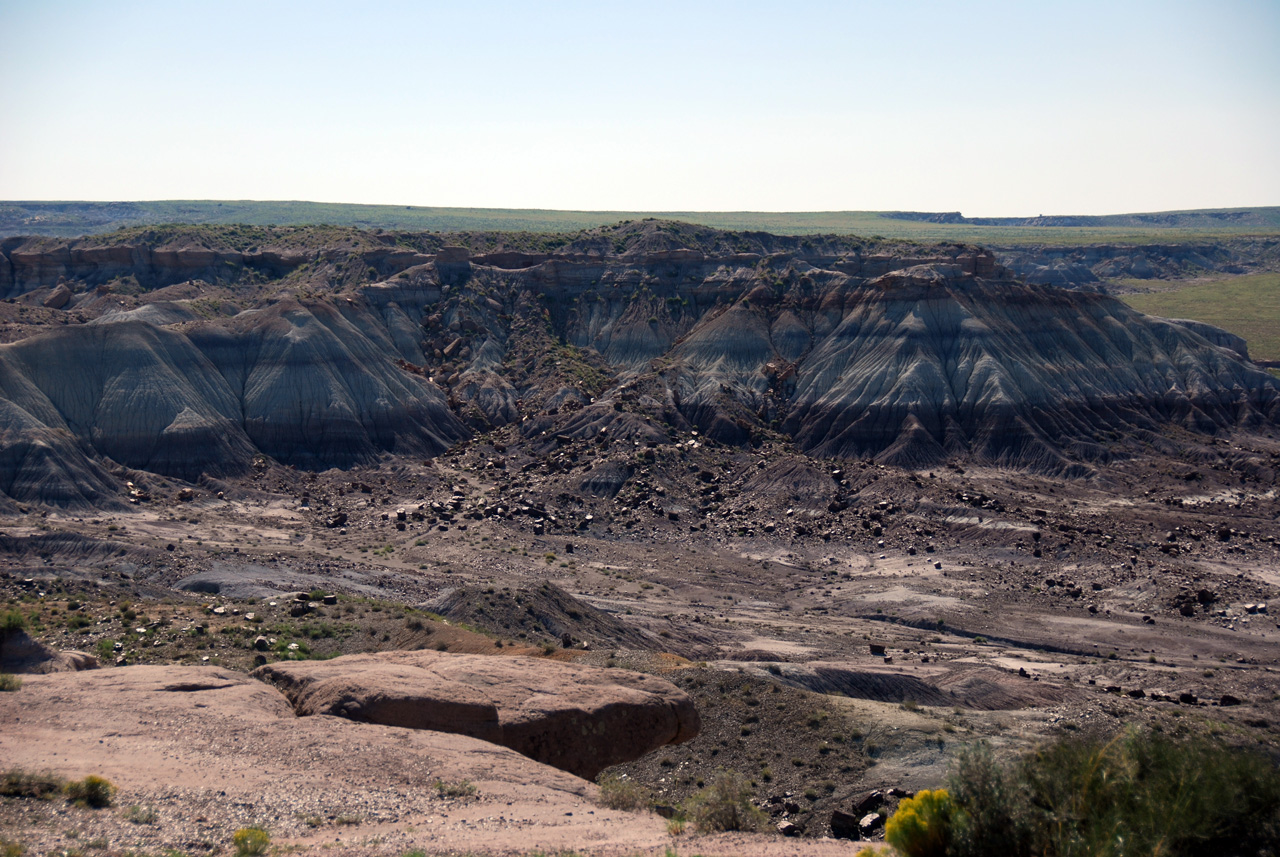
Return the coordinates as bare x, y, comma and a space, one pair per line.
1248, 306
79, 218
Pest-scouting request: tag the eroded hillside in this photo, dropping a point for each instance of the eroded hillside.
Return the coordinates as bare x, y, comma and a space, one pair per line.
193, 352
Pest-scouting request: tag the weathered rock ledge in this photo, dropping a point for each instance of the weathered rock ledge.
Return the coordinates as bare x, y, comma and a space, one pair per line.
576, 718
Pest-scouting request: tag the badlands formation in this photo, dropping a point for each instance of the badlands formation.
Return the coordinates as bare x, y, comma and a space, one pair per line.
646, 501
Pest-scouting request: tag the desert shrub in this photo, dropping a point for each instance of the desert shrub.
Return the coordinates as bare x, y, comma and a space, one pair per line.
725, 805
92, 791
78, 622
993, 813
618, 792
19, 783
1133, 793
12, 621
9, 683
463, 788
250, 841
141, 815
921, 826
8, 848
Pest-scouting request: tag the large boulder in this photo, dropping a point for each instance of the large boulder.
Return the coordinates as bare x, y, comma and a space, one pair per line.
576, 718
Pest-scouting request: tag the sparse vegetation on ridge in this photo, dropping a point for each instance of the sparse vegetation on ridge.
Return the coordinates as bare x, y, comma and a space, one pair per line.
71, 218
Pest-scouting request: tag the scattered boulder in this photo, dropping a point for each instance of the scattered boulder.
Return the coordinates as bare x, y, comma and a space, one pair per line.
844, 825
576, 718
60, 297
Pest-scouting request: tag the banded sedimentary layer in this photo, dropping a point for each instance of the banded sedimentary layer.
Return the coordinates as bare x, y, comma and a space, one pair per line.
906, 355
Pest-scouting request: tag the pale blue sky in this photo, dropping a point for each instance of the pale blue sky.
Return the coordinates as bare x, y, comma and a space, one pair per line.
990, 108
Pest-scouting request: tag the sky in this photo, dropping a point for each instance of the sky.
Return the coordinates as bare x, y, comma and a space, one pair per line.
988, 108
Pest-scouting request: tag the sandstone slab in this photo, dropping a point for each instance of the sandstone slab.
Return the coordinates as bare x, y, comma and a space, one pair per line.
577, 718
211, 750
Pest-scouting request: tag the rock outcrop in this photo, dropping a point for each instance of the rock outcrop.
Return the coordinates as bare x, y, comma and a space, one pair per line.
212, 750
576, 718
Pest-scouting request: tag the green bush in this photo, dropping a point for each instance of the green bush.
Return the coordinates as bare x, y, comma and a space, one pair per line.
921, 826
12, 621
1133, 793
618, 792
92, 791
250, 841
993, 811
9, 683
725, 805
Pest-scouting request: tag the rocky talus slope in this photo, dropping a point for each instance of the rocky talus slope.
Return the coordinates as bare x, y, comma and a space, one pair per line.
190, 356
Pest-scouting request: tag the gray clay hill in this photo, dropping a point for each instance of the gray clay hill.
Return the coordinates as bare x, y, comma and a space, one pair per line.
184, 354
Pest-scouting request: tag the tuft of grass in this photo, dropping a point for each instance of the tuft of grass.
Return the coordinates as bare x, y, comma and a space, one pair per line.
725, 804
19, 783
92, 791
463, 788
141, 815
618, 792
9, 683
